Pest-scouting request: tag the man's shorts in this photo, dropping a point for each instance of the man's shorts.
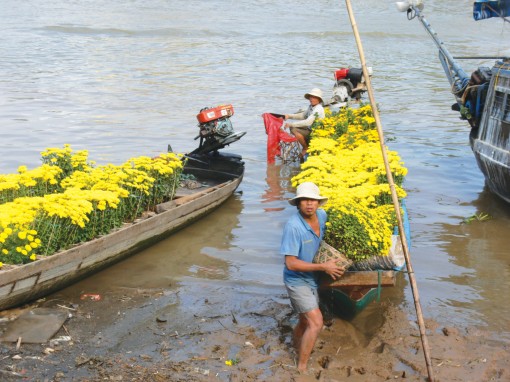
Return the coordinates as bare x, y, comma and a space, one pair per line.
304, 131
303, 298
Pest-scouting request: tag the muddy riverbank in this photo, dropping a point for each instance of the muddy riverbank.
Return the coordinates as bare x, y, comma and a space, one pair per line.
133, 335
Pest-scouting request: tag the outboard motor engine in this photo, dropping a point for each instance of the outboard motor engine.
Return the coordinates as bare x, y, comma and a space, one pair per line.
349, 83
216, 130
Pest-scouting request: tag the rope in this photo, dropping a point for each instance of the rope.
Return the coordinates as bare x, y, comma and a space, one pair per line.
394, 196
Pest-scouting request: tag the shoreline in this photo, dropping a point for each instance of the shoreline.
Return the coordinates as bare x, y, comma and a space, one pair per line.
104, 345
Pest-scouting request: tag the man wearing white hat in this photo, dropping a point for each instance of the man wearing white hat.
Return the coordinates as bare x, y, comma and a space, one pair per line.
301, 239
302, 128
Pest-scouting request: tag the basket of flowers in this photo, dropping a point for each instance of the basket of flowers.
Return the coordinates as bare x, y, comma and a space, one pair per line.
326, 252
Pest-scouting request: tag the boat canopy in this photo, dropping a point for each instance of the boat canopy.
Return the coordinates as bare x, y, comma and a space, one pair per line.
485, 9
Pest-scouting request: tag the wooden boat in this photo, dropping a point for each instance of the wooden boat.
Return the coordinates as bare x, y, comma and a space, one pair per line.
219, 174
356, 289
483, 99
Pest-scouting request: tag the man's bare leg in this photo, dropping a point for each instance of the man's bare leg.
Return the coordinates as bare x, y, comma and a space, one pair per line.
305, 335
302, 141
299, 330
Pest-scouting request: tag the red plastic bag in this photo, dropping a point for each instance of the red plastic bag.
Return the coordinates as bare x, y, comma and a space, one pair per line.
275, 135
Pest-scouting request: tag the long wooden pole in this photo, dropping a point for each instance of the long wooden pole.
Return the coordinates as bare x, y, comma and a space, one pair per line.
394, 196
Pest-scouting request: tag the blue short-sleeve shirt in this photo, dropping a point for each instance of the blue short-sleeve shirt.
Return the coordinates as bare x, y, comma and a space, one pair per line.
301, 241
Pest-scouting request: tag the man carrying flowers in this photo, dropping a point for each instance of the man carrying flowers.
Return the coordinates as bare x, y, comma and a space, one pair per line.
302, 236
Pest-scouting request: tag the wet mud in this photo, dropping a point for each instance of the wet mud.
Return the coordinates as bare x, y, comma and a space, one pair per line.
143, 335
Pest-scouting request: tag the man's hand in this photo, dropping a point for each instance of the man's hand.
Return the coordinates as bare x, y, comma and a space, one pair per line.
332, 269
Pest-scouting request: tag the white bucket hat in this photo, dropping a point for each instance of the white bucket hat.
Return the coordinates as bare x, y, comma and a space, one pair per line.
316, 92
308, 190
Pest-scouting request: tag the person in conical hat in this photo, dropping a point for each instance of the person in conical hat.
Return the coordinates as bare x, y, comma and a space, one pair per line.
301, 239
303, 126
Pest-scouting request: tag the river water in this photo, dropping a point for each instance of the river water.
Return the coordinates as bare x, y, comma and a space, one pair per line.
126, 78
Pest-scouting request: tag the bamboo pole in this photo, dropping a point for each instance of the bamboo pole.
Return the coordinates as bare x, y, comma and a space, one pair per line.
394, 196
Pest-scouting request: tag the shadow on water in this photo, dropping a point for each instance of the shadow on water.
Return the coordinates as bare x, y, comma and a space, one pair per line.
279, 186
478, 269
491, 204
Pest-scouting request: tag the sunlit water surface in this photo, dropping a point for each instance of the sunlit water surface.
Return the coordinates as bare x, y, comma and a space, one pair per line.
126, 78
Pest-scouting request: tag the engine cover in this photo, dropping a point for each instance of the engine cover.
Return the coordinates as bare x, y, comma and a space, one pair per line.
212, 114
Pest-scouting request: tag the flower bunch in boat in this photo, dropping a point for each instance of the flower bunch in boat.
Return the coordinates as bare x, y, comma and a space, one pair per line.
345, 161
68, 200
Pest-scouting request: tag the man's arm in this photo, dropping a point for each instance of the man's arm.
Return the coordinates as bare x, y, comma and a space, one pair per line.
301, 115
304, 123
330, 267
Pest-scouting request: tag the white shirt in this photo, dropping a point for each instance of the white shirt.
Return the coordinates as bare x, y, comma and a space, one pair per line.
308, 117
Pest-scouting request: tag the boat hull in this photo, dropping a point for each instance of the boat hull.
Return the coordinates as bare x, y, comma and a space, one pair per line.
490, 142
347, 303
28, 282
494, 163
351, 293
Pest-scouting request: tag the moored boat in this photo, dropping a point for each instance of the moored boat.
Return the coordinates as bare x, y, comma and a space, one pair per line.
483, 99
356, 289
344, 160
216, 176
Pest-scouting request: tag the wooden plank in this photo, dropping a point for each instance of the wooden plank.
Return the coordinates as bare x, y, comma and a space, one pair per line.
5, 290
60, 270
200, 194
35, 326
26, 283
362, 278
160, 208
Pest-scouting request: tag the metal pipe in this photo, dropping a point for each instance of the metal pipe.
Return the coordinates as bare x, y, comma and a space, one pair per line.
454, 66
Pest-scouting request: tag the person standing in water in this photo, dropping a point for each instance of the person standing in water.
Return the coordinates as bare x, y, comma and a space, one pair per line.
301, 239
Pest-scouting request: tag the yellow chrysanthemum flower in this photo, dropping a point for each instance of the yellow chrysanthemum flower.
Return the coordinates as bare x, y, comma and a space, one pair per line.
69, 200
345, 161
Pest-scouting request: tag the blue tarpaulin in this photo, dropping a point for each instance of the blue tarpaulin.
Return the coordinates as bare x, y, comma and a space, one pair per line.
485, 9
